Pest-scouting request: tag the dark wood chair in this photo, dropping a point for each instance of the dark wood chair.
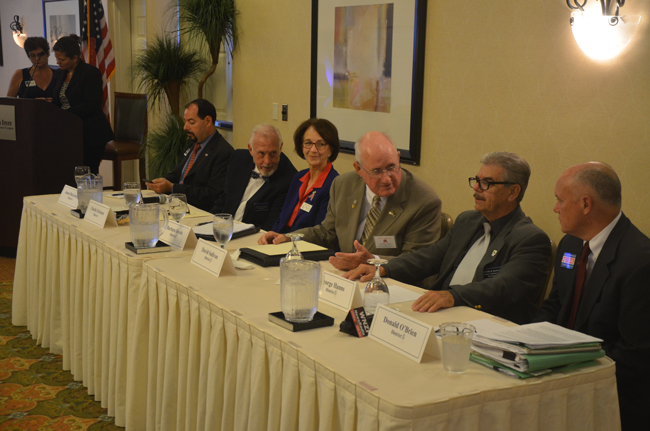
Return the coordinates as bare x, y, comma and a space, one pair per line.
130, 114
446, 223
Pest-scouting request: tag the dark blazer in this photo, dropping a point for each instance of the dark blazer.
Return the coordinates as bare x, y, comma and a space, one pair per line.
318, 204
205, 182
86, 96
508, 279
264, 207
614, 306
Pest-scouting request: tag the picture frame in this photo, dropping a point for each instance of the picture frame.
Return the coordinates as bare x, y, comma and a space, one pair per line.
60, 18
374, 81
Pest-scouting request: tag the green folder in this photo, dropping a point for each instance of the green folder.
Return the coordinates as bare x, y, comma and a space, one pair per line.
489, 363
542, 362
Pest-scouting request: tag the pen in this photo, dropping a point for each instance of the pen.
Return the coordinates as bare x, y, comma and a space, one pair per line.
201, 224
117, 194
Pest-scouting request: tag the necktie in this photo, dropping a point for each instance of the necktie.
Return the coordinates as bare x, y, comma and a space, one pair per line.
581, 274
465, 272
255, 176
371, 219
192, 159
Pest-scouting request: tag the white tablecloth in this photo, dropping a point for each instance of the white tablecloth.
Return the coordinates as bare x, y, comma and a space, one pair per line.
166, 345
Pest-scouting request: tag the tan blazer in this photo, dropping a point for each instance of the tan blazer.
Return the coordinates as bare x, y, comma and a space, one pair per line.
411, 215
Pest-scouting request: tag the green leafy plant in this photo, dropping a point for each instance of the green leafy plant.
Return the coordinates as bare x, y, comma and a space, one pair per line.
165, 146
210, 23
166, 67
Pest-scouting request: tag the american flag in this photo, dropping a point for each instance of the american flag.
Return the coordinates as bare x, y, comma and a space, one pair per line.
97, 50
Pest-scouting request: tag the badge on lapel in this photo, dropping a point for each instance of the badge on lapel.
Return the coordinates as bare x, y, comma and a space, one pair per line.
568, 261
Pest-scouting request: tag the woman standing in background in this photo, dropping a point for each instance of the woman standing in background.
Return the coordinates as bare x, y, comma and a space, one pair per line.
79, 89
34, 82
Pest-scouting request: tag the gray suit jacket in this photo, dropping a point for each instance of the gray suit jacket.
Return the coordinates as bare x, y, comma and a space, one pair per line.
508, 279
411, 215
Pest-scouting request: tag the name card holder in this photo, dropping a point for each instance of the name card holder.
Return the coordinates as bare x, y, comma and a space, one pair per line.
213, 258
68, 197
403, 334
178, 235
340, 292
100, 214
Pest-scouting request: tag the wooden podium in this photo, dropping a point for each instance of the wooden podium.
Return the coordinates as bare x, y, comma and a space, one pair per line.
48, 145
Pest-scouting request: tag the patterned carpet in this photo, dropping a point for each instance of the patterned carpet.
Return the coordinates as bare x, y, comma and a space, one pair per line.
35, 392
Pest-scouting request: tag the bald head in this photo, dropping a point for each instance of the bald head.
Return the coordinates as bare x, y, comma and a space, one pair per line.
377, 162
588, 199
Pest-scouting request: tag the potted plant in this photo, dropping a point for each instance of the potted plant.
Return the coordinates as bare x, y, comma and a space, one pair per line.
211, 23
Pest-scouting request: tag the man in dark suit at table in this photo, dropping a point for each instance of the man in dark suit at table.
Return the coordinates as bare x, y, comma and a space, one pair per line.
258, 180
493, 259
601, 285
404, 212
201, 173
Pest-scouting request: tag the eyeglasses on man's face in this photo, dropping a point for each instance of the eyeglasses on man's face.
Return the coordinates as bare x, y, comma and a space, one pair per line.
37, 55
319, 144
484, 184
391, 170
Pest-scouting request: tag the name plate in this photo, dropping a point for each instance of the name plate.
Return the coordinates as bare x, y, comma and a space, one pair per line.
340, 292
178, 235
212, 258
403, 334
100, 214
68, 197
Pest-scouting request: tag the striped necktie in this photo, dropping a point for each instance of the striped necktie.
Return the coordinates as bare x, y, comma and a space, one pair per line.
371, 219
197, 147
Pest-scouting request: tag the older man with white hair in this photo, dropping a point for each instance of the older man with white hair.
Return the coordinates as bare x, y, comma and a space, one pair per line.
380, 209
257, 180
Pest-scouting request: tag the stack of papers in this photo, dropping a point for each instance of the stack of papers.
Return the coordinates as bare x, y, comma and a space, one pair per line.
533, 349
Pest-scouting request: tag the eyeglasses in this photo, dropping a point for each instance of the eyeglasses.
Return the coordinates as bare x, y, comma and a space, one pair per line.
391, 171
35, 56
484, 184
319, 144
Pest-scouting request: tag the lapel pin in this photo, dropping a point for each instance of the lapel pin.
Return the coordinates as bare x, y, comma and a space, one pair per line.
354, 203
392, 214
494, 253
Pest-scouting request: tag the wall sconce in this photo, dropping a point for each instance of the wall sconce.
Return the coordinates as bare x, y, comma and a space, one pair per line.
603, 35
17, 27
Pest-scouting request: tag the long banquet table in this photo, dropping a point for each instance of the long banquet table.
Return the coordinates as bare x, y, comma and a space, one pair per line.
167, 346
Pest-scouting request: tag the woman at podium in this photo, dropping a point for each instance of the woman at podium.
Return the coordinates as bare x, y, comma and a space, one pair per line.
34, 82
78, 89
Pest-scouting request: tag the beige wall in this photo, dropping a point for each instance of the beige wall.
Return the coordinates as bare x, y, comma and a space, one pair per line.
497, 78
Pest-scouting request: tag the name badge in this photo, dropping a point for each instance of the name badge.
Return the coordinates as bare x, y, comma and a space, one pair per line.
30, 83
340, 292
178, 235
99, 214
68, 197
568, 261
305, 207
213, 258
385, 242
403, 334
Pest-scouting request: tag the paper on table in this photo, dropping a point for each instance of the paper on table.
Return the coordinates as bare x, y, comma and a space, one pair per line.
401, 294
206, 229
542, 334
278, 249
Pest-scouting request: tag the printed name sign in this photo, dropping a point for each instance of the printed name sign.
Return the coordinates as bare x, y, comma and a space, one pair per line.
68, 197
340, 292
212, 258
178, 235
99, 214
404, 334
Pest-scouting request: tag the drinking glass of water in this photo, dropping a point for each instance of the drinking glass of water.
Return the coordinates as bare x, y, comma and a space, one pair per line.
376, 289
80, 172
177, 206
456, 345
294, 253
222, 227
132, 193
